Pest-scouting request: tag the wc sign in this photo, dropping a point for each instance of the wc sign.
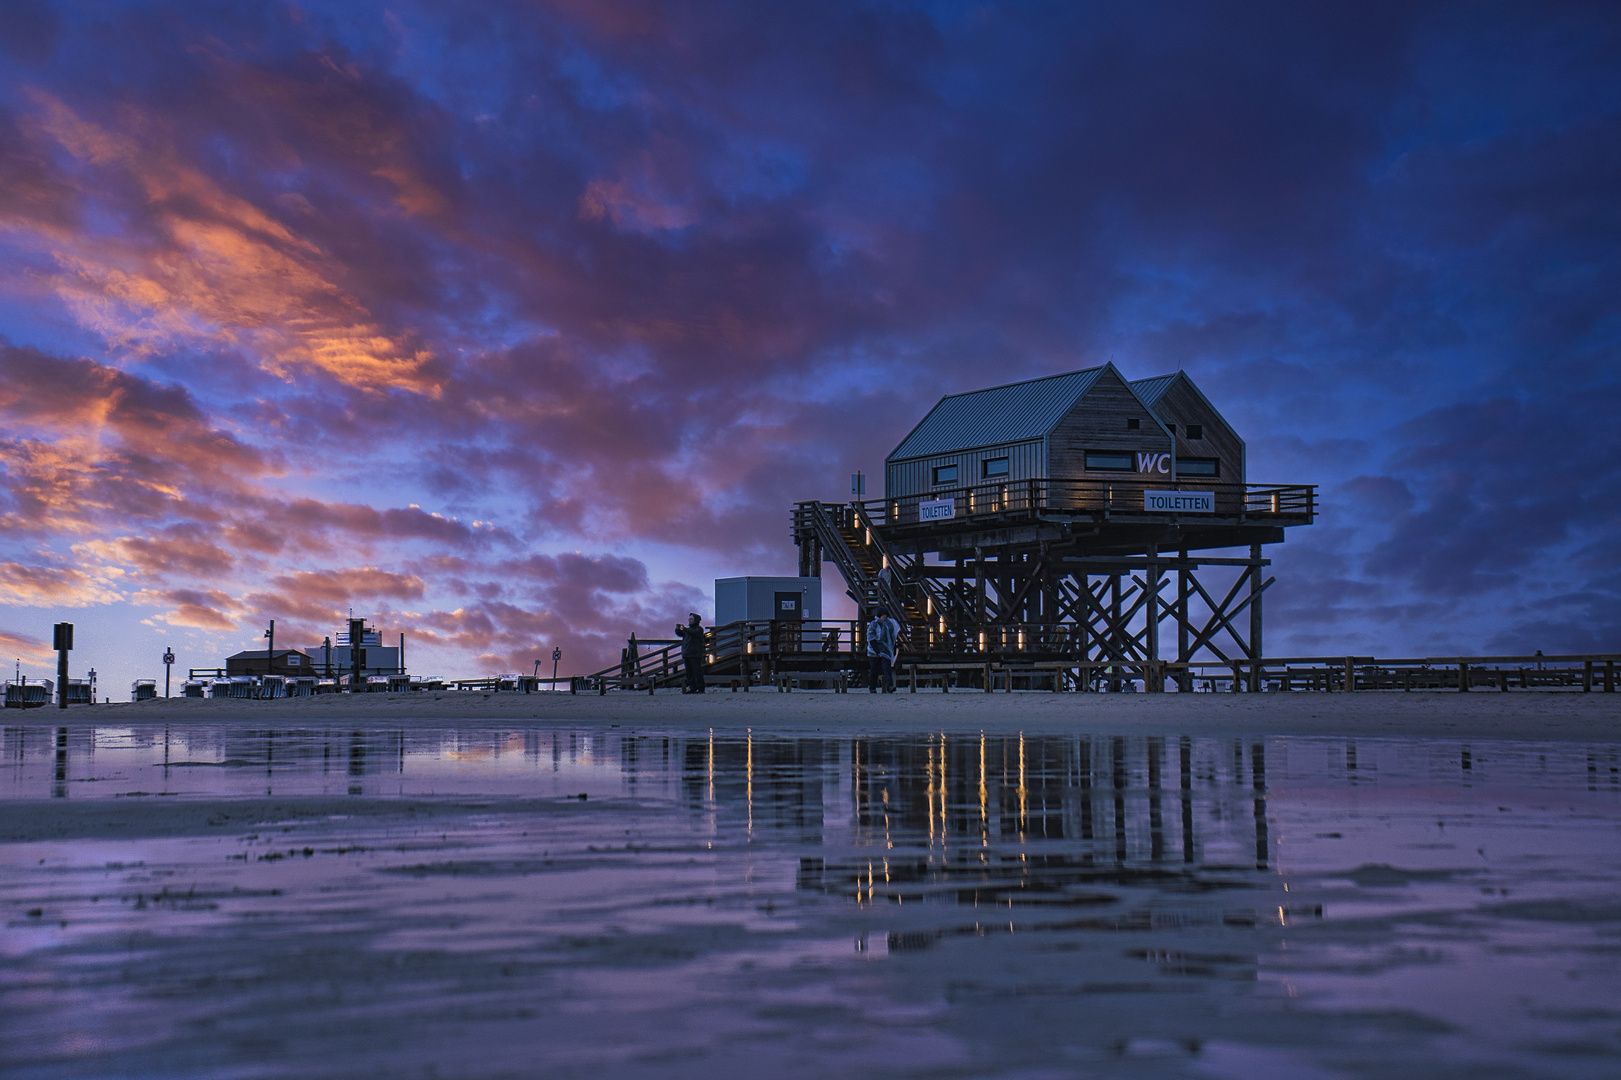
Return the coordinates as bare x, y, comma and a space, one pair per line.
1154, 463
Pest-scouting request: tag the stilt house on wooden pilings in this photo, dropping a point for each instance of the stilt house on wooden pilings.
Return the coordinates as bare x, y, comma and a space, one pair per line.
1078, 517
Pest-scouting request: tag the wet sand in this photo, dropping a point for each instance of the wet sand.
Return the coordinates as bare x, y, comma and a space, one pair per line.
800, 885
1541, 715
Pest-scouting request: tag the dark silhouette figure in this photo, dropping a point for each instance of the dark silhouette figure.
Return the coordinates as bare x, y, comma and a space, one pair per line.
694, 644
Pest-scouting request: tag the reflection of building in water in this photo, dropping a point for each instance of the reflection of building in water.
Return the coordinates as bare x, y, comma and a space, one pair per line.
1000, 819
1121, 800
778, 782
1056, 831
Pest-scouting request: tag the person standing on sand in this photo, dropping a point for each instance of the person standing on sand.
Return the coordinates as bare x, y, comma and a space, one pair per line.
694, 644
883, 638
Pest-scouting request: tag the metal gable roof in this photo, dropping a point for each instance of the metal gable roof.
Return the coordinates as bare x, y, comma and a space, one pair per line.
1151, 390
997, 415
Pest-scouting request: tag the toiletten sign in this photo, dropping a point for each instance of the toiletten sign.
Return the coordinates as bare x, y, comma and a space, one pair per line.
936, 509
1180, 502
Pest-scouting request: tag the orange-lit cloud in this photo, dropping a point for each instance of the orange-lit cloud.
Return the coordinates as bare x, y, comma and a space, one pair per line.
24, 648
212, 267
201, 609
57, 586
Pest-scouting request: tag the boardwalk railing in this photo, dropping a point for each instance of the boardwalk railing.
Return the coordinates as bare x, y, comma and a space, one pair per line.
759, 653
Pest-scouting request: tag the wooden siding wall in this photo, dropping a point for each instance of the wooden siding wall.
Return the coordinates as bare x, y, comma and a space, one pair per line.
1181, 405
915, 476
1098, 422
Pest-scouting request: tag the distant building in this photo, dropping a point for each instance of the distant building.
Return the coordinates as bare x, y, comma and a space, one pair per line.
258, 662
379, 659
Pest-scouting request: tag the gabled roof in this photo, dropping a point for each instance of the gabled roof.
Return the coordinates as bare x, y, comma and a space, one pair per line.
997, 415
260, 654
1151, 390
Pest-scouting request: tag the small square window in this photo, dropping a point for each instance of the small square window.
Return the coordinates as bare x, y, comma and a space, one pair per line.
1195, 431
945, 474
993, 467
1133, 423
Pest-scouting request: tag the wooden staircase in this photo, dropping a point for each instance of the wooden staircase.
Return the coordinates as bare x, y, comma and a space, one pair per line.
847, 535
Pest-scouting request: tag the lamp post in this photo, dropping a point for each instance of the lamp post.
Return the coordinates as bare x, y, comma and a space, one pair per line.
270, 654
168, 662
557, 654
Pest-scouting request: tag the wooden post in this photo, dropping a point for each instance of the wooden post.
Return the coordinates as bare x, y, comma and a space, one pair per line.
1238, 676
1350, 674
1463, 677
1182, 594
1151, 684
1587, 676
1116, 633
1255, 618
1502, 680
1609, 676
979, 588
987, 678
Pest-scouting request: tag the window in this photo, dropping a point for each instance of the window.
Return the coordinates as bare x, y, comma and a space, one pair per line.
1133, 423
1108, 461
1198, 466
1195, 431
293, 659
945, 474
996, 466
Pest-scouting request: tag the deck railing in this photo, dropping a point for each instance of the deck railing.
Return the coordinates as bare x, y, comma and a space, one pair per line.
1126, 496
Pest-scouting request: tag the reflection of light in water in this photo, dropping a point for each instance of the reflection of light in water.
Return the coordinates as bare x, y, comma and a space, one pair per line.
984, 816
1023, 793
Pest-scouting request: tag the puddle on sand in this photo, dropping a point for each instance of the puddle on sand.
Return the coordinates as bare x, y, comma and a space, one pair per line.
442, 903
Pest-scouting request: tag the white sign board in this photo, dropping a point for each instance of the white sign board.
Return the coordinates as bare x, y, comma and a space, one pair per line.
1180, 502
936, 509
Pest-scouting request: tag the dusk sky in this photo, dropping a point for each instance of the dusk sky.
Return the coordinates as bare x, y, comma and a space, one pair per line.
512, 325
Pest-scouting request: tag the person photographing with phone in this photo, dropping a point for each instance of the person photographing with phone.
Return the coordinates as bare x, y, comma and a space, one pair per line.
694, 646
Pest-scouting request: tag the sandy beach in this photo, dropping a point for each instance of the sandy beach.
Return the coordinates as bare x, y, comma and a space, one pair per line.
1540, 715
